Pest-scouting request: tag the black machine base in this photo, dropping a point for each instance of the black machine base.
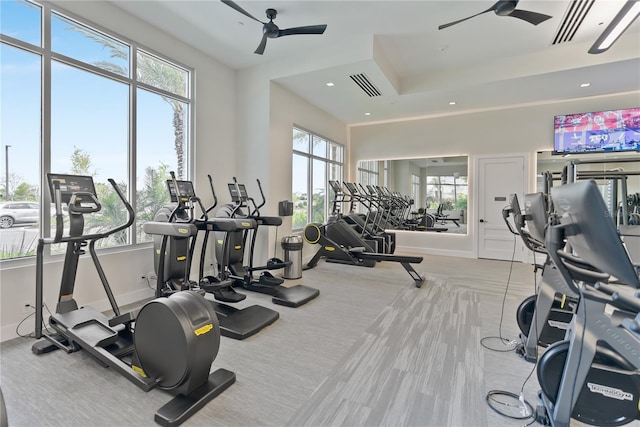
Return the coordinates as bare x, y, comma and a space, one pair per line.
182, 407
293, 296
242, 323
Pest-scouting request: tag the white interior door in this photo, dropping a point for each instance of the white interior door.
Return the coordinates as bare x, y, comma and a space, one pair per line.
498, 177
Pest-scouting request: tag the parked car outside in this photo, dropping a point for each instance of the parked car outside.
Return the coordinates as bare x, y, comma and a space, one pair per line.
18, 213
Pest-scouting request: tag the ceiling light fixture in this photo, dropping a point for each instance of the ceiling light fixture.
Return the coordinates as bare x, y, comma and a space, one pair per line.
585, 85
620, 23
330, 84
367, 114
452, 103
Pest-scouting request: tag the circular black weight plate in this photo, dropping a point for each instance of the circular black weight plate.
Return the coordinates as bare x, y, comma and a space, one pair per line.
524, 315
607, 398
176, 340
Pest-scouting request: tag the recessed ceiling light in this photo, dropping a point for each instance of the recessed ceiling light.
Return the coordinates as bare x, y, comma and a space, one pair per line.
585, 85
330, 84
452, 103
367, 114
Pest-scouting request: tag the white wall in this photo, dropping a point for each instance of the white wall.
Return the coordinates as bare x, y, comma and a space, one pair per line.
215, 153
524, 129
266, 115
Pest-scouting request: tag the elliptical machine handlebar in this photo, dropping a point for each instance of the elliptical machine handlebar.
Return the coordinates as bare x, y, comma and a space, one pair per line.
191, 200
75, 207
256, 211
213, 192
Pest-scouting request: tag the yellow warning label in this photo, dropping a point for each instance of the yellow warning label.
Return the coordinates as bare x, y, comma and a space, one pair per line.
329, 248
564, 300
246, 224
220, 242
181, 258
203, 329
237, 247
139, 371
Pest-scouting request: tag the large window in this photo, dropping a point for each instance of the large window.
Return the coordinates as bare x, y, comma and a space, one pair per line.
415, 190
368, 172
450, 191
79, 99
316, 160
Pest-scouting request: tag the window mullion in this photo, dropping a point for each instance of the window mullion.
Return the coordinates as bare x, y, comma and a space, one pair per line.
45, 117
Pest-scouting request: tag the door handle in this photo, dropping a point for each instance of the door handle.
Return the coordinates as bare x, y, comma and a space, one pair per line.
482, 220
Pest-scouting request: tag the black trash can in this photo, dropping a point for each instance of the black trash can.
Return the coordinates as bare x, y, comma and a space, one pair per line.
292, 246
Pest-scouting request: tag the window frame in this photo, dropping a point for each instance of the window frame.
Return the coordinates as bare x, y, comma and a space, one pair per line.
455, 185
48, 56
310, 158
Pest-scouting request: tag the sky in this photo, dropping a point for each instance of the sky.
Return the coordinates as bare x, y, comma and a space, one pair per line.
88, 112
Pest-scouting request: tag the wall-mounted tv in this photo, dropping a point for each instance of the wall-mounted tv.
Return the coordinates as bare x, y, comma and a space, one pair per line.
597, 132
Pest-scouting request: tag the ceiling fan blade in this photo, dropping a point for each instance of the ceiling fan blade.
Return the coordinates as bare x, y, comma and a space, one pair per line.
263, 43
534, 18
442, 27
310, 29
233, 5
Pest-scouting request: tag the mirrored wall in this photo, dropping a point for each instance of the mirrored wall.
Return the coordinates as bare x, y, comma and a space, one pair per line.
431, 194
617, 175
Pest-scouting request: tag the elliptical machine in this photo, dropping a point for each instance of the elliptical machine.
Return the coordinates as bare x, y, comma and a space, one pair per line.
176, 229
230, 251
174, 340
542, 318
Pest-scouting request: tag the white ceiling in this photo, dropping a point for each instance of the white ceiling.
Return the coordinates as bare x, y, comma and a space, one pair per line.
486, 62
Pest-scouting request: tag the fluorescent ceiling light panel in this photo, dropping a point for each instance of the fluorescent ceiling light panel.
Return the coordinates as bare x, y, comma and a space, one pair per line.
620, 23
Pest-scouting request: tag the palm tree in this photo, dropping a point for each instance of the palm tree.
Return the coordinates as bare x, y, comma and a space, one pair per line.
152, 197
152, 71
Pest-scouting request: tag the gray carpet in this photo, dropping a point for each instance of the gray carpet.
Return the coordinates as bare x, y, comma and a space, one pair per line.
372, 349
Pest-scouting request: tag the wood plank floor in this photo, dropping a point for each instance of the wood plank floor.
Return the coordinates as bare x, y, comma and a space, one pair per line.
371, 350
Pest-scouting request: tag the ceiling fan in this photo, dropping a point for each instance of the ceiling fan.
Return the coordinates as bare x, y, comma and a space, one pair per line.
507, 8
271, 30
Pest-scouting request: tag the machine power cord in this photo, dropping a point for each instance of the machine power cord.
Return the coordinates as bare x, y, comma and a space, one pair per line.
31, 334
500, 406
510, 344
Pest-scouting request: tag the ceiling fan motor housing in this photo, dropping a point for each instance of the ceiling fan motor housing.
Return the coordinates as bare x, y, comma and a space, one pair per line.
505, 8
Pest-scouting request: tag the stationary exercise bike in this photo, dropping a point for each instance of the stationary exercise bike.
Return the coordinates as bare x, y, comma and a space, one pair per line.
542, 318
172, 342
592, 376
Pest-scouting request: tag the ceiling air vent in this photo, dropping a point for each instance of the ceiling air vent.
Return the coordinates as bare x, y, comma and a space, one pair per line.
572, 20
365, 84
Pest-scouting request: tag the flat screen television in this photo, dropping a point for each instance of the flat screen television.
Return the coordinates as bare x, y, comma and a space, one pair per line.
597, 132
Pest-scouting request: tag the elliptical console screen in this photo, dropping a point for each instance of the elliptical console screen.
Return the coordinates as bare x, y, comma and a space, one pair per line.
185, 190
243, 192
233, 191
335, 185
70, 184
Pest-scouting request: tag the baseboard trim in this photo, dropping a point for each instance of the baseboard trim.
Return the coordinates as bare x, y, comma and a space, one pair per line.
436, 251
8, 332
